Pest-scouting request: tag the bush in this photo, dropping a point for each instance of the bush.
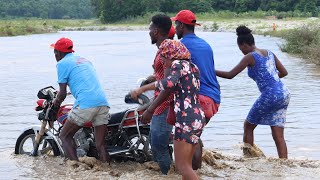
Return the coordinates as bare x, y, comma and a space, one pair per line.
214, 27
297, 39
304, 41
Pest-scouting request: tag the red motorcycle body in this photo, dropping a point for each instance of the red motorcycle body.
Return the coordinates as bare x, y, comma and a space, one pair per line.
128, 116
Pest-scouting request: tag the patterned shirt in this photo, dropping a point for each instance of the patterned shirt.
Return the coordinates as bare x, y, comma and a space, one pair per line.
184, 78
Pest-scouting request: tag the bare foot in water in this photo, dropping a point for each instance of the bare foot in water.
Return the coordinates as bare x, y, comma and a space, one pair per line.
252, 151
105, 158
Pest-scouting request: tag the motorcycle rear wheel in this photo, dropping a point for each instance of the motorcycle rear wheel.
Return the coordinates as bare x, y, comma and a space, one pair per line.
26, 140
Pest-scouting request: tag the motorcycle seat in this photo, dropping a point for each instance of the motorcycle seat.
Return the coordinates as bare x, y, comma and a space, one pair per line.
116, 118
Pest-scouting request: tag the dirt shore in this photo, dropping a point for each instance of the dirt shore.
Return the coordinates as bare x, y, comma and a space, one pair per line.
229, 25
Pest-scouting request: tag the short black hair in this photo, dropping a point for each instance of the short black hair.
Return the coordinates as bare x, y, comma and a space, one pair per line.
189, 27
162, 22
244, 35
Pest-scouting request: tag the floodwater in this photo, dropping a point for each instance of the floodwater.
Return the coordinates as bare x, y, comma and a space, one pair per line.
120, 58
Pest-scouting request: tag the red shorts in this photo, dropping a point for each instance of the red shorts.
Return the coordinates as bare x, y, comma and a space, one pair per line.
208, 106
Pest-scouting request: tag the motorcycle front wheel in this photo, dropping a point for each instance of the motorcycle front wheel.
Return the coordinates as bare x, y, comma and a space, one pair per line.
26, 141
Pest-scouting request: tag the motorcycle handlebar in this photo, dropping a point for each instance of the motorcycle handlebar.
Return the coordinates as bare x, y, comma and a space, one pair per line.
142, 99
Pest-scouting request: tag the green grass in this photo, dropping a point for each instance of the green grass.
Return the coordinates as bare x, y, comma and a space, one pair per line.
23, 26
303, 41
17, 27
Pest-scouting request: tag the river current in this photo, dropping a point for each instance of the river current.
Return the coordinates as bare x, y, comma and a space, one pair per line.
121, 58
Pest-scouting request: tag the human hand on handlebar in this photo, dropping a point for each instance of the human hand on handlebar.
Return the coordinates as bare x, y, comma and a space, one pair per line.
146, 116
56, 102
135, 93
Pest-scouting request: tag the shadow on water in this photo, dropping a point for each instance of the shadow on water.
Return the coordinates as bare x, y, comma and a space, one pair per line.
121, 58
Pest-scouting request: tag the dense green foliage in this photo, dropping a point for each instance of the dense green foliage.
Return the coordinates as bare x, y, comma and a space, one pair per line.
115, 10
304, 41
52, 9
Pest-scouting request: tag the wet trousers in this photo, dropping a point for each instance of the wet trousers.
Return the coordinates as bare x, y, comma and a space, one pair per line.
160, 132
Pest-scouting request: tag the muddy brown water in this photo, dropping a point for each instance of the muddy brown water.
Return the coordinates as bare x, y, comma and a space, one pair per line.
120, 58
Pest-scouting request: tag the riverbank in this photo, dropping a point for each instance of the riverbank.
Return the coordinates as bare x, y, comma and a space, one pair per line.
258, 25
16, 27
37, 26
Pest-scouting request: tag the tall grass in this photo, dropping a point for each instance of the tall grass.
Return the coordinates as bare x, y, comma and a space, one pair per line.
252, 14
304, 41
15, 27
220, 15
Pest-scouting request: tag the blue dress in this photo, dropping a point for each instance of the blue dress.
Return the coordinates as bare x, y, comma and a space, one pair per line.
271, 107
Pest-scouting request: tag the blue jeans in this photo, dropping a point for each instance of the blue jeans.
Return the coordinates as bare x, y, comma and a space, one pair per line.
160, 132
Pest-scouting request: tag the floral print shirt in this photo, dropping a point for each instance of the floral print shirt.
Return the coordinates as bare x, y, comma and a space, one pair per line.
184, 80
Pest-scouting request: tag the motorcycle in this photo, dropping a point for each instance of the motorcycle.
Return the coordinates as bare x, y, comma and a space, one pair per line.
126, 139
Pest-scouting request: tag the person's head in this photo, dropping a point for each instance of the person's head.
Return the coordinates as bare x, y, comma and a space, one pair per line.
171, 33
62, 47
171, 50
159, 27
245, 39
185, 21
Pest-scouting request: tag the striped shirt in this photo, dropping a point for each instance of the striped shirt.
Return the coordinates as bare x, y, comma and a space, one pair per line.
159, 67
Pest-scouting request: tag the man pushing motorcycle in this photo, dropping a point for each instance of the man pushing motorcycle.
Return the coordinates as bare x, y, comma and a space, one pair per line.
91, 103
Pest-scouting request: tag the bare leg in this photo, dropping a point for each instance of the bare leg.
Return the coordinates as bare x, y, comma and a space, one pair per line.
183, 153
248, 132
278, 137
197, 156
66, 136
100, 132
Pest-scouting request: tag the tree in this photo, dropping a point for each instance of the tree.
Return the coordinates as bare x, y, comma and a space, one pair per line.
46, 8
115, 10
246, 5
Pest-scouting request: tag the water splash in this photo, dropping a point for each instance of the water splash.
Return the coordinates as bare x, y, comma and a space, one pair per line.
252, 151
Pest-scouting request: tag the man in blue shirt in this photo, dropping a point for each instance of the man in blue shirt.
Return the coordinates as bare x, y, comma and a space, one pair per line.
202, 56
91, 103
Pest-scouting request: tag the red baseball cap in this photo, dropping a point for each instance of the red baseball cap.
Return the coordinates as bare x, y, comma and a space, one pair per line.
63, 45
172, 32
186, 17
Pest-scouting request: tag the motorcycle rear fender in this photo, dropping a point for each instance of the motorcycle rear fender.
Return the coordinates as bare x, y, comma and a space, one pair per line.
49, 135
129, 120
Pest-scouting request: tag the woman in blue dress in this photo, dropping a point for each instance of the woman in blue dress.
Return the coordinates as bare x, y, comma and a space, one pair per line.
266, 70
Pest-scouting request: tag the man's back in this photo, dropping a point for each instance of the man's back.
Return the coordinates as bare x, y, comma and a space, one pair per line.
82, 80
202, 56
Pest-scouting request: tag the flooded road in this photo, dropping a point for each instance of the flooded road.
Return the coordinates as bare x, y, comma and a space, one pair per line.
120, 58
